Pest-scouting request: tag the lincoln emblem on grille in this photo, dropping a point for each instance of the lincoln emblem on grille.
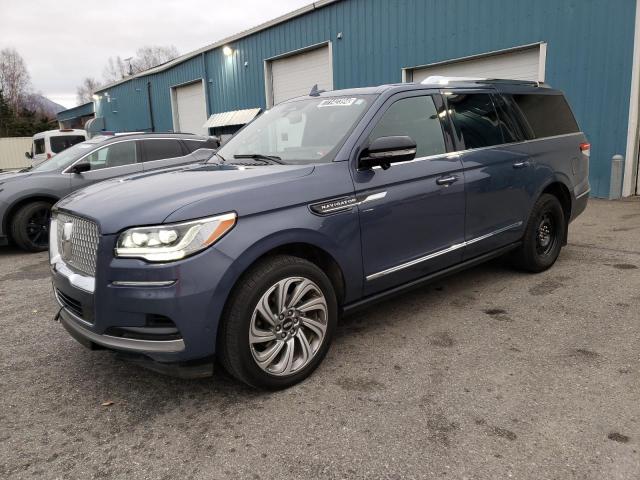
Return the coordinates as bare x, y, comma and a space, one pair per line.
67, 230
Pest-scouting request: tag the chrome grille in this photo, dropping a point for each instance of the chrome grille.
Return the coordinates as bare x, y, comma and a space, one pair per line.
79, 249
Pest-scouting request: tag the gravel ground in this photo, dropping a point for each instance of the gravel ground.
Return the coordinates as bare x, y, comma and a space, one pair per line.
491, 373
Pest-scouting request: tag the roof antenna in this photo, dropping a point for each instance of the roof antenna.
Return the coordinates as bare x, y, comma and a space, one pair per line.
315, 92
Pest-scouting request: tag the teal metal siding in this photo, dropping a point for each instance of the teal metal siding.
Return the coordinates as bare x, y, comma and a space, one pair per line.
75, 112
590, 46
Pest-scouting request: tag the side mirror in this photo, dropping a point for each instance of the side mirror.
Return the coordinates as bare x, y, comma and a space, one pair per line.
384, 151
81, 168
28, 155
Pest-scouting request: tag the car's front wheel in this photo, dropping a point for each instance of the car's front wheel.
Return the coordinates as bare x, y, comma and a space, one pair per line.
30, 226
279, 323
543, 236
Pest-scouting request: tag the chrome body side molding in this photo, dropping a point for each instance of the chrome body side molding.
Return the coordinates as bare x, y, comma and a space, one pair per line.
450, 249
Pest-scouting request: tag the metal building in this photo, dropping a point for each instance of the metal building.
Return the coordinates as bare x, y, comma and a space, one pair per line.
76, 117
588, 48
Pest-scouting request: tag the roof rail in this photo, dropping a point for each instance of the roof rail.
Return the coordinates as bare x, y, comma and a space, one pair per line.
442, 80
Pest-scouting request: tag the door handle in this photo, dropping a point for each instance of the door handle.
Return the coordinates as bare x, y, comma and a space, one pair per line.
521, 164
446, 181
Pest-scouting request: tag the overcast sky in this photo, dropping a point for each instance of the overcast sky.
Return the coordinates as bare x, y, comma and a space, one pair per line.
64, 41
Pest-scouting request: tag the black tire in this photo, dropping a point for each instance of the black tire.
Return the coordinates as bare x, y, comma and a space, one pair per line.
543, 237
234, 349
30, 226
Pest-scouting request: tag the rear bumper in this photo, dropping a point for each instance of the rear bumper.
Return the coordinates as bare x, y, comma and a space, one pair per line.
579, 204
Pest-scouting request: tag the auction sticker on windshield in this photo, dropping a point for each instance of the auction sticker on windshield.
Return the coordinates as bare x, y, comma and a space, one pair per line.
337, 102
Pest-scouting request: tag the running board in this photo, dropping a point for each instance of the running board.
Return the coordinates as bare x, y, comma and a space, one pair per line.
378, 297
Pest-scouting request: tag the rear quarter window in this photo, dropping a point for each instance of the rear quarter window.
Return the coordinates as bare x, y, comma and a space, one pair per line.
547, 115
63, 142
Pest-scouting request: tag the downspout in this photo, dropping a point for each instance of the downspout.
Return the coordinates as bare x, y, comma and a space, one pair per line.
153, 127
630, 184
205, 80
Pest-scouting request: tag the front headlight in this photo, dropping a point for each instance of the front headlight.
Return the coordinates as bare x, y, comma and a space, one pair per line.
166, 243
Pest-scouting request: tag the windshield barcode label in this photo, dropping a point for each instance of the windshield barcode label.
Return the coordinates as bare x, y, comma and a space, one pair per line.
337, 102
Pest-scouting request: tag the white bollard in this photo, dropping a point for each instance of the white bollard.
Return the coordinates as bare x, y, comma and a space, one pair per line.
617, 170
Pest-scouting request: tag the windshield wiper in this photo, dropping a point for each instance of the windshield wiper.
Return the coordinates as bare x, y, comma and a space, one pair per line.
259, 156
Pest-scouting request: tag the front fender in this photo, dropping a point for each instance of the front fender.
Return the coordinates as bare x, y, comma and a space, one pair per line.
254, 237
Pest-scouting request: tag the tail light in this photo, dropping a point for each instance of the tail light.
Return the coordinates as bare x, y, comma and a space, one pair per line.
585, 148
48, 156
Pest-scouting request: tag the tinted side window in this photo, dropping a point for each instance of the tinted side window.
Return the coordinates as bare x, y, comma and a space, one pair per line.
193, 145
475, 119
548, 115
161, 149
416, 117
63, 142
512, 130
38, 146
115, 155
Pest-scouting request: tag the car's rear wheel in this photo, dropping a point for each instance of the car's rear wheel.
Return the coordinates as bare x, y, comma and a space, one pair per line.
30, 226
279, 323
543, 236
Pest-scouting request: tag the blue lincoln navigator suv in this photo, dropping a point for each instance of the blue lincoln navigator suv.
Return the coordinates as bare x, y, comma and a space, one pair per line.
321, 205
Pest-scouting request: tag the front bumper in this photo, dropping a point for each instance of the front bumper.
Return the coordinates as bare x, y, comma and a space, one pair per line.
129, 295
80, 330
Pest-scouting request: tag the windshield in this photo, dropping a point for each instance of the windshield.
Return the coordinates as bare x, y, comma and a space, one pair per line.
68, 156
303, 131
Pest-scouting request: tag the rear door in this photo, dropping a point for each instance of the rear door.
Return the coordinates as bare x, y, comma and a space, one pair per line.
113, 160
412, 214
497, 169
163, 152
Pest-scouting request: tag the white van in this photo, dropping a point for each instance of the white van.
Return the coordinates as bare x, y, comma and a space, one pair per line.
46, 144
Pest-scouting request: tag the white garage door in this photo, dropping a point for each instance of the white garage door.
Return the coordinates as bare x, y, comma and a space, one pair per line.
295, 75
190, 110
526, 64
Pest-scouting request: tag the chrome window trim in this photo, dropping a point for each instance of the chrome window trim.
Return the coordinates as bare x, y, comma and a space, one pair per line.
459, 153
66, 172
452, 248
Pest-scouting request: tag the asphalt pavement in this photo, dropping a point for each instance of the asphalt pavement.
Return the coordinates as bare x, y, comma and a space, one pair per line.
491, 373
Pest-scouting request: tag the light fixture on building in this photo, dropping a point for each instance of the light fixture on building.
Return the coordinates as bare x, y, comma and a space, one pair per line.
227, 50
95, 97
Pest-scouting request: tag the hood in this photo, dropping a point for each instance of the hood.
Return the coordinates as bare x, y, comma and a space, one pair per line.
151, 198
8, 176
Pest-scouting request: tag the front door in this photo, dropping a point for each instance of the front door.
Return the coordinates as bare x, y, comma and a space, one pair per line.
113, 160
411, 215
497, 170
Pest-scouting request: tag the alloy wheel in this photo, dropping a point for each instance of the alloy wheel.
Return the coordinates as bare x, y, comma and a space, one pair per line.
288, 326
38, 227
